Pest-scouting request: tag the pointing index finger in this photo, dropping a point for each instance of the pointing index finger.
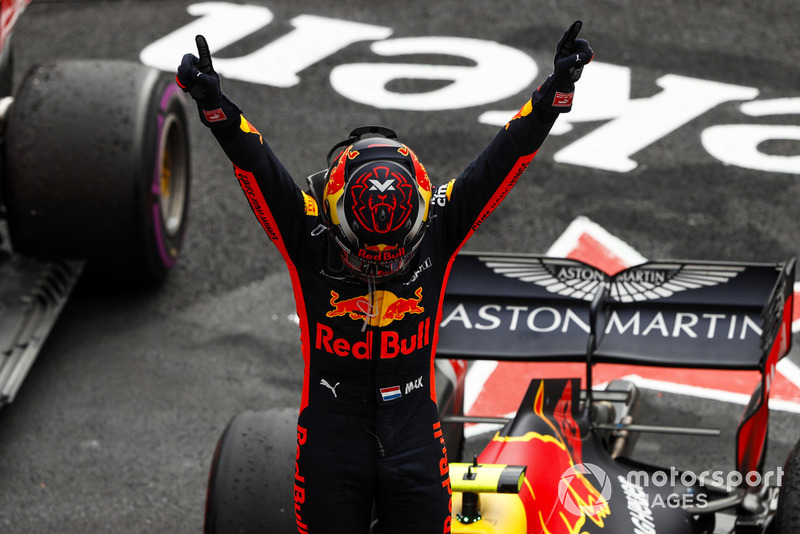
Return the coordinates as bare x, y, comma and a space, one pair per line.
568, 44
204, 65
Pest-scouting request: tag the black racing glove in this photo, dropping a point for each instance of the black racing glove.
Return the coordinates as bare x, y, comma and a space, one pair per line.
197, 77
555, 94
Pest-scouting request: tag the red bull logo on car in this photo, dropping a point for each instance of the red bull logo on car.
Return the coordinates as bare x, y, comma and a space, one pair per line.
380, 308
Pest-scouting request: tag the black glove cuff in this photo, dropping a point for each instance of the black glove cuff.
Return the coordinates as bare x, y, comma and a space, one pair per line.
553, 97
219, 113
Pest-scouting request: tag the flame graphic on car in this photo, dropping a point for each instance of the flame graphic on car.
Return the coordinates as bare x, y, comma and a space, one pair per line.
550, 451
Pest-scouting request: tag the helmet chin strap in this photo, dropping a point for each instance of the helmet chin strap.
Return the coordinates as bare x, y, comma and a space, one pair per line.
370, 312
375, 280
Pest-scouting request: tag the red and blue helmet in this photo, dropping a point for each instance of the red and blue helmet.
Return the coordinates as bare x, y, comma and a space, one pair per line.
376, 199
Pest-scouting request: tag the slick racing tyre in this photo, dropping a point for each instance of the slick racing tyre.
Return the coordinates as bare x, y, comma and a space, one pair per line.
250, 487
787, 518
96, 167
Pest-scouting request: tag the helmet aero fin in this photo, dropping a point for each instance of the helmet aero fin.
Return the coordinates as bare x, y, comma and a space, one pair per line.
376, 199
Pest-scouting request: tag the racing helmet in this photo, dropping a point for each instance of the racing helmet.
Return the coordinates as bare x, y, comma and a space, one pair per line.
376, 201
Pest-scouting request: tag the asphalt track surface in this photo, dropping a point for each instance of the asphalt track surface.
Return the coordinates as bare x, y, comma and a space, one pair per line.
115, 427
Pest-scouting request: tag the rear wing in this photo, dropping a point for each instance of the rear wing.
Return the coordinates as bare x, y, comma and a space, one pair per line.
520, 307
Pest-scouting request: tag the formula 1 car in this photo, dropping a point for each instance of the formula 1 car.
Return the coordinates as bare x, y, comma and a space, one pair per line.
565, 462
95, 173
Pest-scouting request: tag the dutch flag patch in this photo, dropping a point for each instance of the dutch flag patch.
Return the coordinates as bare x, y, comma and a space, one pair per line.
390, 393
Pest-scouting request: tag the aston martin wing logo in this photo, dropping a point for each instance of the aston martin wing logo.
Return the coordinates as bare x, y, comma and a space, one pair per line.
579, 281
563, 278
652, 282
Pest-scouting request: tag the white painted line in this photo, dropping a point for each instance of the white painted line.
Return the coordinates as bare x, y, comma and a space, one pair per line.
667, 387
477, 375
790, 371
478, 429
706, 393
568, 241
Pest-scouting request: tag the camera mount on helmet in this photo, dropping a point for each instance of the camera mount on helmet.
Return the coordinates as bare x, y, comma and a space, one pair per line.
357, 134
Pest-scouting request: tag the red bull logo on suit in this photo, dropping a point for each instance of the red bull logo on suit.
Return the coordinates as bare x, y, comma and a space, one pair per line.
387, 343
381, 307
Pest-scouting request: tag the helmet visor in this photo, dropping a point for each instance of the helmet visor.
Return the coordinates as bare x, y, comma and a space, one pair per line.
374, 266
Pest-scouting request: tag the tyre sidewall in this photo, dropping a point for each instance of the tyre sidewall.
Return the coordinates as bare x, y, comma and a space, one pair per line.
163, 106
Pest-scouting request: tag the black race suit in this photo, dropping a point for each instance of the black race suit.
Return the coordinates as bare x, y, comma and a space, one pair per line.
368, 426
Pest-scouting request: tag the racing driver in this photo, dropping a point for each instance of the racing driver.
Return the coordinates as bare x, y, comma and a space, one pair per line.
369, 247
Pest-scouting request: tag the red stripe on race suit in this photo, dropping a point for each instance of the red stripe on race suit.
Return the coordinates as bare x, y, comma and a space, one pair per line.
258, 203
505, 186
